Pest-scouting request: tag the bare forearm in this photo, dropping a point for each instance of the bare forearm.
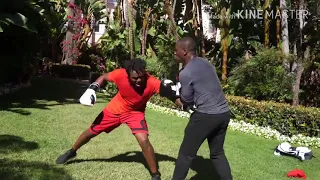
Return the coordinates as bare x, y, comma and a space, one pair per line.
178, 102
101, 79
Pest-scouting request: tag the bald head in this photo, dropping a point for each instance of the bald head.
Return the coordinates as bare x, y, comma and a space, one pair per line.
185, 50
188, 44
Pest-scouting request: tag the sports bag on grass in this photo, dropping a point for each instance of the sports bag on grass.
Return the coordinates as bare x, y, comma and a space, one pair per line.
302, 153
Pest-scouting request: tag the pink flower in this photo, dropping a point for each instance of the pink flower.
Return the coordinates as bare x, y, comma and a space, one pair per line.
76, 36
70, 5
83, 21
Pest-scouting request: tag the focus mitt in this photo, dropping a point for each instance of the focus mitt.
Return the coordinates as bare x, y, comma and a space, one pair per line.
168, 89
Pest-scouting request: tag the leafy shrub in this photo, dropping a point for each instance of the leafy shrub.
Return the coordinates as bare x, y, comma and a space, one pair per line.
77, 71
163, 57
93, 57
94, 76
286, 119
163, 102
263, 77
113, 45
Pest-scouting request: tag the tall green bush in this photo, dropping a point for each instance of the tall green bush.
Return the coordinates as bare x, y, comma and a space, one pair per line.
263, 77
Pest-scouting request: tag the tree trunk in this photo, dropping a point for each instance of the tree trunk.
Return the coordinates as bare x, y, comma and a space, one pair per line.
195, 18
168, 9
301, 57
131, 19
278, 27
173, 14
225, 41
284, 33
93, 34
224, 59
266, 7
203, 50
68, 57
126, 20
145, 31
296, 86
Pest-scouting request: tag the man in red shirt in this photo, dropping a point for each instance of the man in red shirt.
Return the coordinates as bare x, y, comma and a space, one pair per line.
135, 88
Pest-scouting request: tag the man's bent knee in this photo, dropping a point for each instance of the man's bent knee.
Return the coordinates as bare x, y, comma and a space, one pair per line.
213, 155
90, 133
142, 139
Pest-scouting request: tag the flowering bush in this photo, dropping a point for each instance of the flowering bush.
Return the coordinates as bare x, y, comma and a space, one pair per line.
75, 24
265, 132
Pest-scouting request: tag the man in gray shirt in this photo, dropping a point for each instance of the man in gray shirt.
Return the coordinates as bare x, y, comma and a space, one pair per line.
201, 87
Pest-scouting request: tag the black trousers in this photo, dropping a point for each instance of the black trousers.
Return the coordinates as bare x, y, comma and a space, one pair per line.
200, 127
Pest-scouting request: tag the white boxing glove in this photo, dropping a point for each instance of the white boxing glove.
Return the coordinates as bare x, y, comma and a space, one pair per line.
178, 88
89, 97
167, 82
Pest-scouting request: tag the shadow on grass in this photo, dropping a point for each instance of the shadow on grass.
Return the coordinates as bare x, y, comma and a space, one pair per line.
19, 169
203, 167
42, 90
10, 143
132, 156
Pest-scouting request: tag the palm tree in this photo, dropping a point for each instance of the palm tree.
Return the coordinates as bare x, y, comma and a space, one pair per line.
284, 31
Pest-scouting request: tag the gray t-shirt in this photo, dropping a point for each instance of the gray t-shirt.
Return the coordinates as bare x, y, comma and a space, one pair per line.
200, 86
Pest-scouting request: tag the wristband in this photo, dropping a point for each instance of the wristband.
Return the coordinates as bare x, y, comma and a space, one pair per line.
95, 86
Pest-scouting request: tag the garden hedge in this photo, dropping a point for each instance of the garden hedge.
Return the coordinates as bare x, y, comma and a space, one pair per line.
77, 71
286, 119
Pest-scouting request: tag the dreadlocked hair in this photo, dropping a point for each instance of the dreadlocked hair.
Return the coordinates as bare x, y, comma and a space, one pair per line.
137, 65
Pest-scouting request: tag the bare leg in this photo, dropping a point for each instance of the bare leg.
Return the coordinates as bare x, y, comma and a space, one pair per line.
83, 139
147, 151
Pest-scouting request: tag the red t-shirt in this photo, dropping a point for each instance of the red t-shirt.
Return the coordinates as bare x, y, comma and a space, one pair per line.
127, 99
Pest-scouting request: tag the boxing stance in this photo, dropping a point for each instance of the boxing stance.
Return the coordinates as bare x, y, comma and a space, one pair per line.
135, 88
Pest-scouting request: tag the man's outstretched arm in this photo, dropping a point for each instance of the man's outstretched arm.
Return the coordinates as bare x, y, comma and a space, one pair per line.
89, 97
99, 81
170, 93
179, 103
164, 88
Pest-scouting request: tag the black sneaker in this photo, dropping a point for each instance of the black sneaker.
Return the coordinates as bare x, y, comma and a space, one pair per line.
66, 156
156, 177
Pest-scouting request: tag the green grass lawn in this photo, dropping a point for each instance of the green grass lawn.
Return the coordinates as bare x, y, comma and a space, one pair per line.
41, 122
